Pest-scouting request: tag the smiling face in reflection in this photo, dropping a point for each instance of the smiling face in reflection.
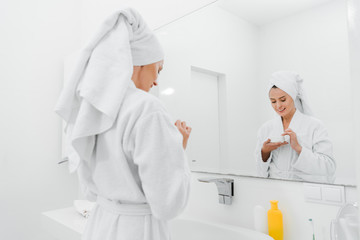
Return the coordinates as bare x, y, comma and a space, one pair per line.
145, 77
282, 103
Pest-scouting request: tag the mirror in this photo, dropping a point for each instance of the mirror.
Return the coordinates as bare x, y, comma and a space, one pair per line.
220, 58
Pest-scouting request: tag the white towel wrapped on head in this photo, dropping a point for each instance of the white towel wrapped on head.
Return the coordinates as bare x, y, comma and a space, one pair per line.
291, 83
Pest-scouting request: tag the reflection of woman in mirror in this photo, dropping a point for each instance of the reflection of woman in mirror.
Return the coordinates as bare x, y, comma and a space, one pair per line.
294, 145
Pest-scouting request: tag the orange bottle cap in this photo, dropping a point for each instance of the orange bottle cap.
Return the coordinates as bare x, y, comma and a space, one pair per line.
274, 204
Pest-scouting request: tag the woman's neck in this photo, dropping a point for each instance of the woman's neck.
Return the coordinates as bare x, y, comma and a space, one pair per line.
287, 119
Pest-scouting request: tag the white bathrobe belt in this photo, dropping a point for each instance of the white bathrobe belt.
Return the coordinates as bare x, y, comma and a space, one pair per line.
151, 227
124, 209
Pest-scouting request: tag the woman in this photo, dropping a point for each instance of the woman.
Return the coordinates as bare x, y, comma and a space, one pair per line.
127, 152
307, 152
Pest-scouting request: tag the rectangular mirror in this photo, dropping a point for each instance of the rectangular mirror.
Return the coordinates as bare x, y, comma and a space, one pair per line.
216, 74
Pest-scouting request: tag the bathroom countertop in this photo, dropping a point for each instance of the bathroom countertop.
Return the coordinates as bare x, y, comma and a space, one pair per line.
64, 224
68, 224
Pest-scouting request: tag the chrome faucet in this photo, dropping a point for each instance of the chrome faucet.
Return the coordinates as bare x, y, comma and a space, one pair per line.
225, 188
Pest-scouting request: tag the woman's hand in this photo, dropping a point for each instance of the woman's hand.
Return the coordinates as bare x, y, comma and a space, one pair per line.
184, 130
293, 140
268, 147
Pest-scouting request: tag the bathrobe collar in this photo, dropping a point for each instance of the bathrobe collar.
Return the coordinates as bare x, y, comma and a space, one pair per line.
293, 123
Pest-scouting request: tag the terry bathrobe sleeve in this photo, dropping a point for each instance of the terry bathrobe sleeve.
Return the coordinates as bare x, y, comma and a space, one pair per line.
318, 159
261, 166
162, 165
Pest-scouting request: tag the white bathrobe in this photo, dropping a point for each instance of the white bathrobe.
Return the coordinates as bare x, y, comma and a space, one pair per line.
314, 163
140, 163
121, 141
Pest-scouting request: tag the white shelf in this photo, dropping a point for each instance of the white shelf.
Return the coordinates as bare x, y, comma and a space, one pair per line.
64, 224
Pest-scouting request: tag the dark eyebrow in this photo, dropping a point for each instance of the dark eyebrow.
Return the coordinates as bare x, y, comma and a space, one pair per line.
279, 98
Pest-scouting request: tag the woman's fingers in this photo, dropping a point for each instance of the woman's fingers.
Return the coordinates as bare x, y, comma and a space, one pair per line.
181, 124
275, 145
271, 144
177, 123
188, 129
278, 144
183, 128
288, 131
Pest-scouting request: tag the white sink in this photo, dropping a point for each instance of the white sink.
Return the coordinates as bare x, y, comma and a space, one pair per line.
189, 229
64, 224
67, 224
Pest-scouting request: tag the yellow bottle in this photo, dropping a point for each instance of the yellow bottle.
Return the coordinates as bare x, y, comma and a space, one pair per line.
275, 222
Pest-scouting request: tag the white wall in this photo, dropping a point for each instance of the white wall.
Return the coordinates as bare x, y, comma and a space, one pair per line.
354, 40
35, 36
249, 192
155, 12
314, 43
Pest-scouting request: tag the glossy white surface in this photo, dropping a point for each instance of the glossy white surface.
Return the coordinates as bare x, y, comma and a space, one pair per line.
207, 151
302, 42
346, 224
270, 10
250, 192
64, 224
354, 39
188, 229
201, 41
67, 224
